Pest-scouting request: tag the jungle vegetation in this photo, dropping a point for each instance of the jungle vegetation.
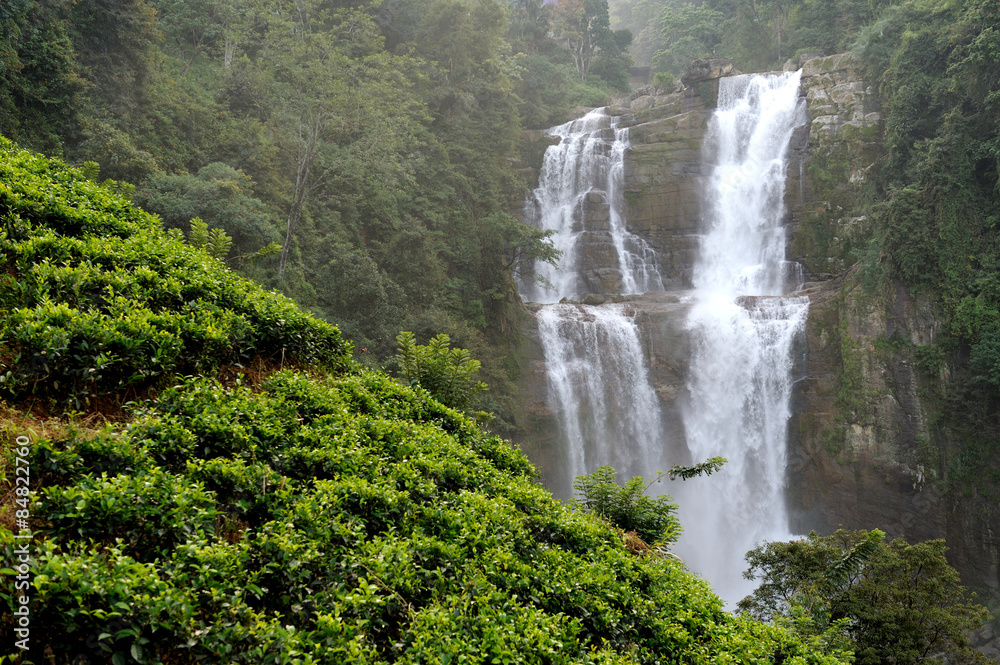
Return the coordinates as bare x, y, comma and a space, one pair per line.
376, 142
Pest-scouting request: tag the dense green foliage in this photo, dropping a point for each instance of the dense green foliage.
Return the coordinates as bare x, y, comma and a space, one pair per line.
894, 602
759, 35
448, 374
344, 519
378, 142
334, 516
627, 506
97, 299
935, 227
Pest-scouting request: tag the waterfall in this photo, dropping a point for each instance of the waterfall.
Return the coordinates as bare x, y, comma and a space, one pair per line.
742, 332
598, 384
741, 325
599, 388
580, 199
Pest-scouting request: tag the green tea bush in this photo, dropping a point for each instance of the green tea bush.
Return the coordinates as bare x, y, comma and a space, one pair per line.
148, 512
98, 300
344, 518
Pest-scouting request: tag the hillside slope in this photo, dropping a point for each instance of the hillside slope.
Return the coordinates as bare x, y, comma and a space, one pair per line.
318, 513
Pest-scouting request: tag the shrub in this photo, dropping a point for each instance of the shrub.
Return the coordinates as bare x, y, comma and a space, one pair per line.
627, 506
446, 373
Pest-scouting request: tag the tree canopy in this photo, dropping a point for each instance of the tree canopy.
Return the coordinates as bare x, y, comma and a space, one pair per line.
377, 142
894, 602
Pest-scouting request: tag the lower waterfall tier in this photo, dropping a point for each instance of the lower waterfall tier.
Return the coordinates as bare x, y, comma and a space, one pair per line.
641, 348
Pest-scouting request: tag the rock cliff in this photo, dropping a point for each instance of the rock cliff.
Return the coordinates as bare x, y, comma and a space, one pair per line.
663, 173
868, 445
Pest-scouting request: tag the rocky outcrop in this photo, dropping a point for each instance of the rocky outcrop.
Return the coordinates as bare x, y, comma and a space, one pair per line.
663, 178
829, 165
708, 69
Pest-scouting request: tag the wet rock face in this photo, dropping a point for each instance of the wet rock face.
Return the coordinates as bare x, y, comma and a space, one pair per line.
841, 105
856, 459
596, 246
862, 451
854, 454
829, 162
663, 178
662, 321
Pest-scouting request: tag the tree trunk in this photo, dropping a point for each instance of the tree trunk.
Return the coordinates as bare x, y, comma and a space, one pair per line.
307, 153
228, 53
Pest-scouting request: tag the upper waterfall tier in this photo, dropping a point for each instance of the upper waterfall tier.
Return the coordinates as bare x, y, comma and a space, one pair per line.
580, 199
743, 249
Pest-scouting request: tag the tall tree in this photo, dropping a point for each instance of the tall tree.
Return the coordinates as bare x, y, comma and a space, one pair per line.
338, 109
895, 602
197, 28
687, 32
116, 41
585, 28
41, 89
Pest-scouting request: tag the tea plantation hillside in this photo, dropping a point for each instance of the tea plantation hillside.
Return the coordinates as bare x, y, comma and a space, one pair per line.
306, 511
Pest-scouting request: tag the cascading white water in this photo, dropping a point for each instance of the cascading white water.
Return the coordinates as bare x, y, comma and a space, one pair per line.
742, 334
742, 328
588, 161
599, 387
